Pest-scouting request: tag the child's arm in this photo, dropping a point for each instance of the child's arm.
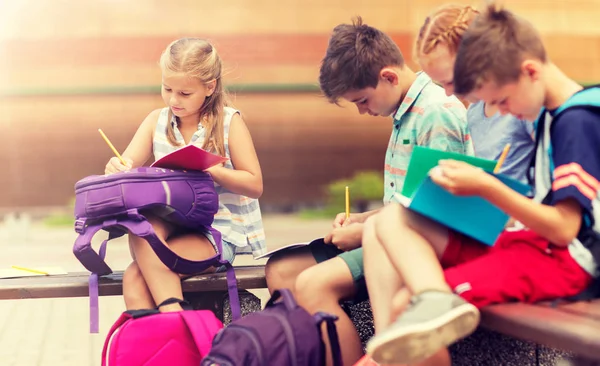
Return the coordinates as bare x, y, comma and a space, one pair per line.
559, 223
139, 149
246, 177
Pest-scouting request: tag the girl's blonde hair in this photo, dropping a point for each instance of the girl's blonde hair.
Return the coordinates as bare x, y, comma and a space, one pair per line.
446, 25
197, 58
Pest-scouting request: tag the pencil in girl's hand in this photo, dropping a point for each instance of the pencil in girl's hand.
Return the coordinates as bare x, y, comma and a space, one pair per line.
502, 158
112, 147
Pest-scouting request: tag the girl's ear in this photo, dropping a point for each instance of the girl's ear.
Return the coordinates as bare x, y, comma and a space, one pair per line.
210, 86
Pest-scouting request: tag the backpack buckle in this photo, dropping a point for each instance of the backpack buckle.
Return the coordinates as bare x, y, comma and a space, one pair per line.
79, 226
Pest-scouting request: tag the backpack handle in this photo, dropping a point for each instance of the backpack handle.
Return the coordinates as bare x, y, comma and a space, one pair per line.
334, 342
286, 295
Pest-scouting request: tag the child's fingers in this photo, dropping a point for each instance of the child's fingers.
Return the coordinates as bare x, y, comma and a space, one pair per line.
439, 177
128, 163
339, 220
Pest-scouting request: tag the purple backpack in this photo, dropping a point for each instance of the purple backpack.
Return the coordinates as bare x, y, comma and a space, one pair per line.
282, 334
112, 203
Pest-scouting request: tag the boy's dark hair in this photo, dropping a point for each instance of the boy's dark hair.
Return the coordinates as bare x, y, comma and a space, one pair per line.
355, 55
493, 49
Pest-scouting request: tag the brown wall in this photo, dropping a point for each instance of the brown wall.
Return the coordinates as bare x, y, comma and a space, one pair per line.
62, 52
302, 143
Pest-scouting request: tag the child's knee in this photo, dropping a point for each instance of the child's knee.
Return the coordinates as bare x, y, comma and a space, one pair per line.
282, 269
277, 268
315, 286
369, 234
133, 280
392, 215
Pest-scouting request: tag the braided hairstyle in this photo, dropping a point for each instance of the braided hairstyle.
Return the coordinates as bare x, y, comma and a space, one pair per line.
445, 26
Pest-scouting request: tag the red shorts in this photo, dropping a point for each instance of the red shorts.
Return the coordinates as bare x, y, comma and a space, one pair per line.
521, 266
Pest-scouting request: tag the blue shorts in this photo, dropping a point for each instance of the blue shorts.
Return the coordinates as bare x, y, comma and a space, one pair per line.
228, 254
353, 258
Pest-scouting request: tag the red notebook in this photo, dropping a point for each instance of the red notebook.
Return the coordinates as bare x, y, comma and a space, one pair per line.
189, 157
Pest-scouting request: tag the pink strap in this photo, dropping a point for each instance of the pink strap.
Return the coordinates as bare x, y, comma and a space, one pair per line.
203, 326
122, 319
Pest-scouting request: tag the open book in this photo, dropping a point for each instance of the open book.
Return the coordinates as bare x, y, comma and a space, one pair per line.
290, 247
470, 215
189, 157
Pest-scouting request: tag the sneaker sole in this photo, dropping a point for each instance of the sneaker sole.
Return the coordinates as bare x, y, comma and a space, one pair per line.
417, 342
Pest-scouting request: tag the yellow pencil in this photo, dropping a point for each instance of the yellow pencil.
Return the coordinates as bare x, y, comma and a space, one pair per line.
30, 270
501, 159
347, 202
112, 147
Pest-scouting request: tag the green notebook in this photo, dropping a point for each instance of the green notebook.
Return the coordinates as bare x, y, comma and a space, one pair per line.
424, 159
470, 215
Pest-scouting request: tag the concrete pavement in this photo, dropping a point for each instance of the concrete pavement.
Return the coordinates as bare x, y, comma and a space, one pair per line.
49, 332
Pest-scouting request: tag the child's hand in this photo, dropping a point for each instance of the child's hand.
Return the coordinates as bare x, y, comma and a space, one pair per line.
114, 165
341, 221
214, 167
459, 178
345, 238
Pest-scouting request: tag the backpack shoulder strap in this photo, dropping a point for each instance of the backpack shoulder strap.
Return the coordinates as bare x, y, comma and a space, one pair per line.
141, 227
203, 326
82, 249
588, 97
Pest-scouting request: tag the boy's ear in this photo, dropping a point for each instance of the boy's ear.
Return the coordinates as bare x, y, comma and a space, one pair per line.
531, 68
389, 75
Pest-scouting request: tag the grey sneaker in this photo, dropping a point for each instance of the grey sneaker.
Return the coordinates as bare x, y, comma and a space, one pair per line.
433, 320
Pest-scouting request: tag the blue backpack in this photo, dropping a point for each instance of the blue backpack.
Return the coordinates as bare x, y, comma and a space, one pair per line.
588, 98
113, 203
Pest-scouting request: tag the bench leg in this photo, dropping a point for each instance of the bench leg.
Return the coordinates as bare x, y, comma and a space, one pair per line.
218, 303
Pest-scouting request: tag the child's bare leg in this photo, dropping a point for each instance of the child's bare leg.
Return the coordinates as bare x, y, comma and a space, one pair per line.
383, 281
135, 290
435, 317
414, 246
388, 297
321, 288
283, 269
162, 282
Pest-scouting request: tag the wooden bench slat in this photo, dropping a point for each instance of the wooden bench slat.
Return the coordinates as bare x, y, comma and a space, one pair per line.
589, 309
76, 284
546, 325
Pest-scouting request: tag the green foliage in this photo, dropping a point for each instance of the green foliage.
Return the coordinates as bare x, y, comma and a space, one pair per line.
62, 219
364, 186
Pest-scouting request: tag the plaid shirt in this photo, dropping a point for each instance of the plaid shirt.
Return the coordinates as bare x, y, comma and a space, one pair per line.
426, 117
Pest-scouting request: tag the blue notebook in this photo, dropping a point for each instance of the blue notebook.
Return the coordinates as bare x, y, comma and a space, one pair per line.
470, 215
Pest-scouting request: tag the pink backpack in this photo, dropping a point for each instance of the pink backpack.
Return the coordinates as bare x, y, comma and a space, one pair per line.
150, 338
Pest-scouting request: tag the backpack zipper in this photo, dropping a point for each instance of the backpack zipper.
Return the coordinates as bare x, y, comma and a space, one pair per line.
289, 334
136, 177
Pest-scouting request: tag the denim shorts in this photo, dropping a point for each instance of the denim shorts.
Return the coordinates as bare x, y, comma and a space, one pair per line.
228, 254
